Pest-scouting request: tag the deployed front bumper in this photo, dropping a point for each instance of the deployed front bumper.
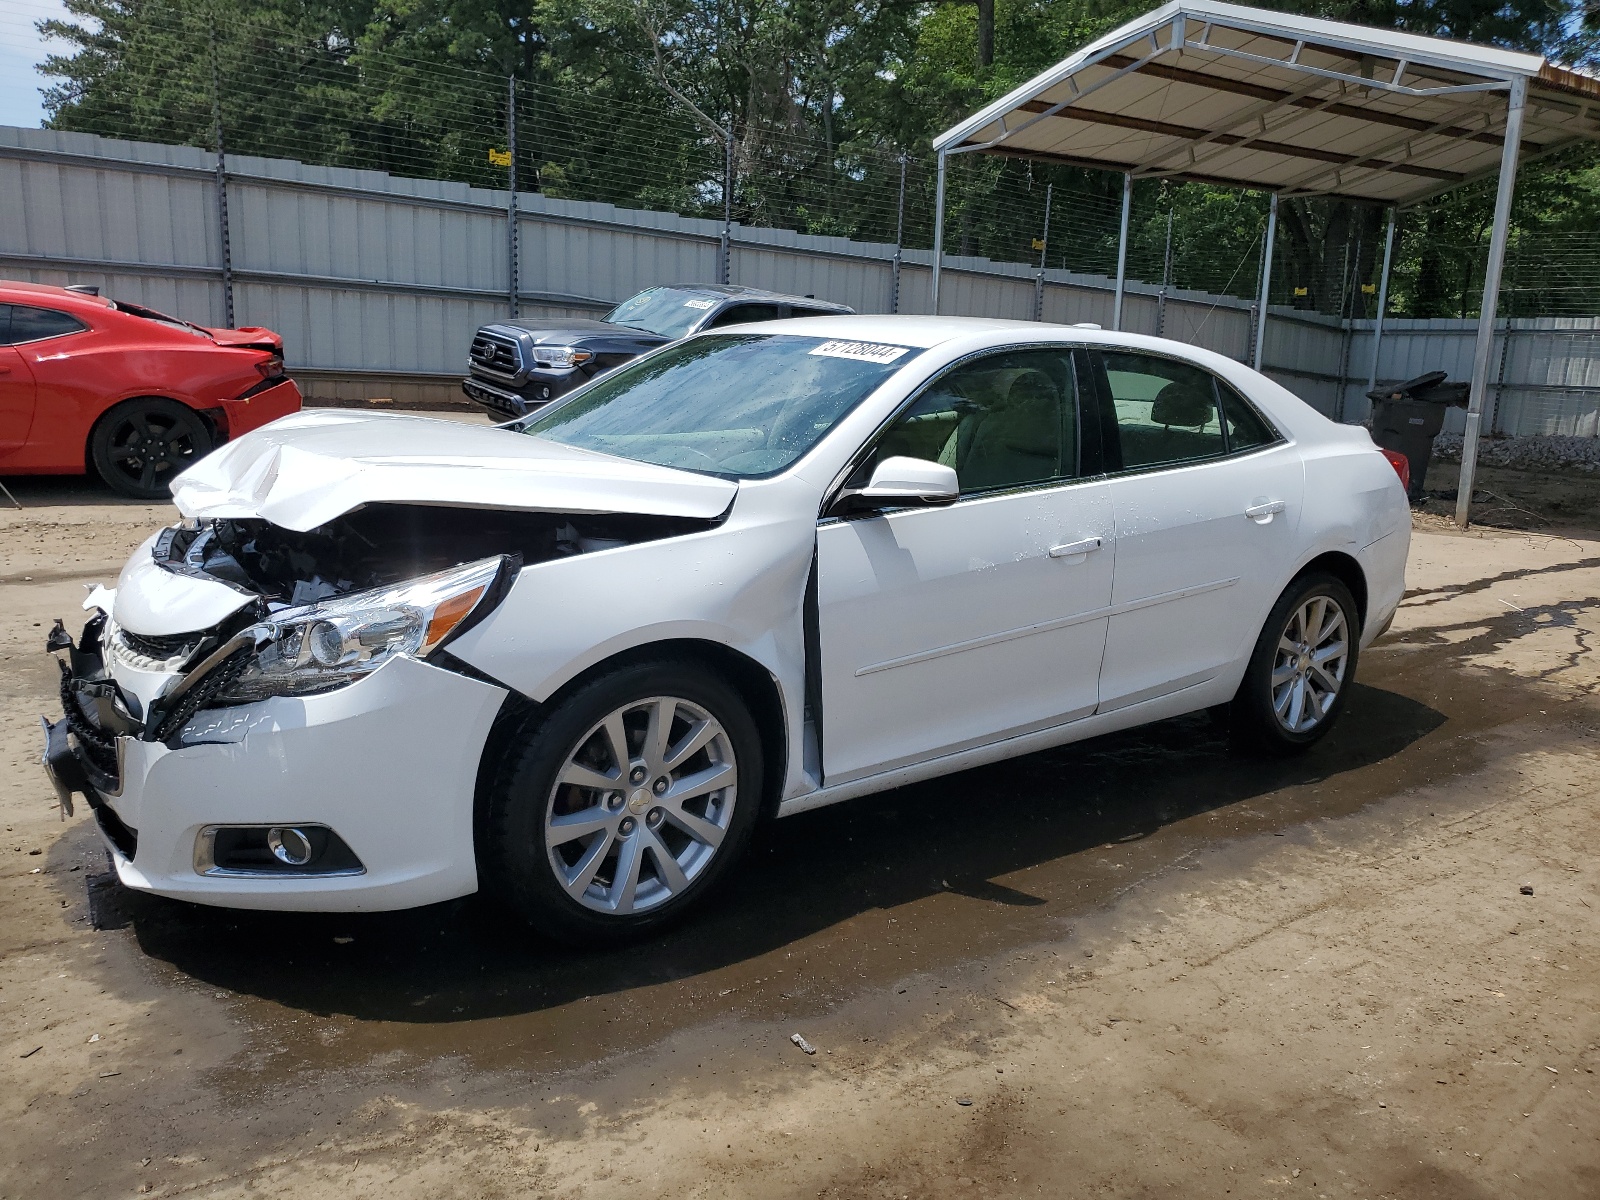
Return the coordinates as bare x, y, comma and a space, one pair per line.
543, 386
389, 764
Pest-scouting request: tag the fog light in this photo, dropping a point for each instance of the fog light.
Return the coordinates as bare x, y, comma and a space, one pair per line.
289, 845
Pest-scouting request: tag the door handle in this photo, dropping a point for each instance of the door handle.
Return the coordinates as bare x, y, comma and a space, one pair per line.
1070, 548
1262, 513
5, 370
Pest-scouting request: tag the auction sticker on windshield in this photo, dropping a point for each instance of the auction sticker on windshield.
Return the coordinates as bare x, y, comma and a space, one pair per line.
872, 352
698, 303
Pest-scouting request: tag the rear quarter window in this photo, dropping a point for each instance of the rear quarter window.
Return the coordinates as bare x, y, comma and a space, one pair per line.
29, 324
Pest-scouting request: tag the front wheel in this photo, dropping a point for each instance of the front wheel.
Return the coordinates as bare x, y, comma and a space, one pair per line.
621, 810
1302, 667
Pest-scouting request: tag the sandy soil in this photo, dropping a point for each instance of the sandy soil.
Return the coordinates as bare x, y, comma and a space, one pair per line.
1135, 967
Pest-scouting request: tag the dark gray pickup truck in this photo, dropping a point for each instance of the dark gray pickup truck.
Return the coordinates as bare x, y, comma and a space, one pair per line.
517, 366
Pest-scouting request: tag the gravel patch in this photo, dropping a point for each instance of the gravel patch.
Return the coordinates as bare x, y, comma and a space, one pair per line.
1530, 453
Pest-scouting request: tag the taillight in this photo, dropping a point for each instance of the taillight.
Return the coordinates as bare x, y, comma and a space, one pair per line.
1401, 465
271, 368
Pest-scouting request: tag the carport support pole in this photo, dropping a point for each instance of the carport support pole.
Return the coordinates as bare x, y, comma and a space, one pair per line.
938, 231
1491, 297
1122, 250
1383, 302
1266, 282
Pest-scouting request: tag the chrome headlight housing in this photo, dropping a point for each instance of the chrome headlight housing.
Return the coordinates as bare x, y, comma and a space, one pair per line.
561, 357
321, 646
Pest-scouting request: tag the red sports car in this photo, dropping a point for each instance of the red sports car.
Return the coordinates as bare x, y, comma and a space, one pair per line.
135, 396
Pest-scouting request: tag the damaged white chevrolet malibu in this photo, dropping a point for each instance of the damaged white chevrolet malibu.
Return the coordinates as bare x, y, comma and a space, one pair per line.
386, 661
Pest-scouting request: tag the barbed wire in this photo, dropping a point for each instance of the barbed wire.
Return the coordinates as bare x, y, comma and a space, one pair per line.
280, 94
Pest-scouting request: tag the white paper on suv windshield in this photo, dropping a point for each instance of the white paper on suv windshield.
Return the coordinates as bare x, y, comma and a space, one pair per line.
698, 303
873, 352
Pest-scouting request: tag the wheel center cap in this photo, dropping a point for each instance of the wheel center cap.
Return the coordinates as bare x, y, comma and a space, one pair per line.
639, 801
1305, 662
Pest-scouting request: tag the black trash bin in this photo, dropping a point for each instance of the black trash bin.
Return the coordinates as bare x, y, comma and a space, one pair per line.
1407, 417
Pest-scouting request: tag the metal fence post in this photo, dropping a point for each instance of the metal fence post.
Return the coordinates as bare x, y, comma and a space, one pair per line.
1044, 249
1166, 281
222, 188
513, 268
899, 237
725, 267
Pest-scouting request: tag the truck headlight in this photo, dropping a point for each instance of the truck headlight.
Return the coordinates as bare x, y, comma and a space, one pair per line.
560, 357
321, 646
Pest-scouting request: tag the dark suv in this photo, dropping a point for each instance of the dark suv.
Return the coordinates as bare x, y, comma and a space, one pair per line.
516, 366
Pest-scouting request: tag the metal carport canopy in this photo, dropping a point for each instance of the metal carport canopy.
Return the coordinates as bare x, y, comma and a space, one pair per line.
1298, 106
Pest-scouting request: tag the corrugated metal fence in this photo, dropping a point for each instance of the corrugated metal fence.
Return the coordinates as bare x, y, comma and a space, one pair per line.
376, 282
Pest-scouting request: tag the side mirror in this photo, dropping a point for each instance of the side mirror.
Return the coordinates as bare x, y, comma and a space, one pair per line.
903, 481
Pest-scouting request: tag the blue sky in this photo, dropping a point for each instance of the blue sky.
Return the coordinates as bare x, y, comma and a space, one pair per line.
20, 48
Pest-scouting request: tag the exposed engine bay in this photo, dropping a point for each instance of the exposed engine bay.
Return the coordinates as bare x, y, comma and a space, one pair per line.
386, 543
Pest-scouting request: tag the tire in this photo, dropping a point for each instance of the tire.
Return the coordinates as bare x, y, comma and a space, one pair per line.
139, 446
594, 865
1297, 682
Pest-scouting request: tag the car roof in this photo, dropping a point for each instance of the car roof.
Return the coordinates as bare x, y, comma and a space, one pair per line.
738, 291
18, 292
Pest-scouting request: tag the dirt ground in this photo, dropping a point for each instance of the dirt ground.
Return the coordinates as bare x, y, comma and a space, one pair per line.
1136, 967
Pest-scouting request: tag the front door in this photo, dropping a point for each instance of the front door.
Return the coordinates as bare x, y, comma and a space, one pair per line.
1206, 497
946, 628
18, 396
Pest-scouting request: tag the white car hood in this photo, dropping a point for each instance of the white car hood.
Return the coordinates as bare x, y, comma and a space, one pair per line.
304, 470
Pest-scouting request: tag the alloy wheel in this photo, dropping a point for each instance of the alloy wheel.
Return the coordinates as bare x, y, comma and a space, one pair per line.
1309, 669
149, 449
641, 805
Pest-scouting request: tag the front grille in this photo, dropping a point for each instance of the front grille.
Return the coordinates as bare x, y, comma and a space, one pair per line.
159, 647
202, 694
496, 353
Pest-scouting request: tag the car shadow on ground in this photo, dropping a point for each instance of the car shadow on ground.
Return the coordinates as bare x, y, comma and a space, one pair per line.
466, 960
68, 491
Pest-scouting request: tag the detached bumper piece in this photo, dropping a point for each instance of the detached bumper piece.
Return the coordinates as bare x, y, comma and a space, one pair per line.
81, 749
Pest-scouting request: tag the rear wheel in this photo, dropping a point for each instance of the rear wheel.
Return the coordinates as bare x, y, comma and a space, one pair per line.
139, 447
1301, 670
620, 811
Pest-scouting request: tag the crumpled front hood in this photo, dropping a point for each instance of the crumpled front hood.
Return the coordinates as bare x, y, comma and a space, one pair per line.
304, 470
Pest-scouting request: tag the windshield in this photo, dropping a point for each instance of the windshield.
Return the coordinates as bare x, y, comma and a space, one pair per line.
734, 404
671, 312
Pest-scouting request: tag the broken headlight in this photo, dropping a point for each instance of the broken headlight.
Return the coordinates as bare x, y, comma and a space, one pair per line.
321, 646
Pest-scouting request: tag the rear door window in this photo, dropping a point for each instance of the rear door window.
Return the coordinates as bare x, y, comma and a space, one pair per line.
29, 324
1165, 410
746, 314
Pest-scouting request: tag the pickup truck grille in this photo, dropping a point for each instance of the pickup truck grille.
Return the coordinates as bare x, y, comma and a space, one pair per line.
495, 353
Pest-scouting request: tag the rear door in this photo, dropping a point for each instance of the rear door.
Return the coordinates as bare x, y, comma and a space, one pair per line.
945, 628
1206, 497
18, 394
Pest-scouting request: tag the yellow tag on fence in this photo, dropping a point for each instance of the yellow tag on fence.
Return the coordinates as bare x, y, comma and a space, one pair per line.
1038, 243
499, 158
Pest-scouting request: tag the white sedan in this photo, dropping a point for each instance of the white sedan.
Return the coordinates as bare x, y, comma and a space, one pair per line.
386, 661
